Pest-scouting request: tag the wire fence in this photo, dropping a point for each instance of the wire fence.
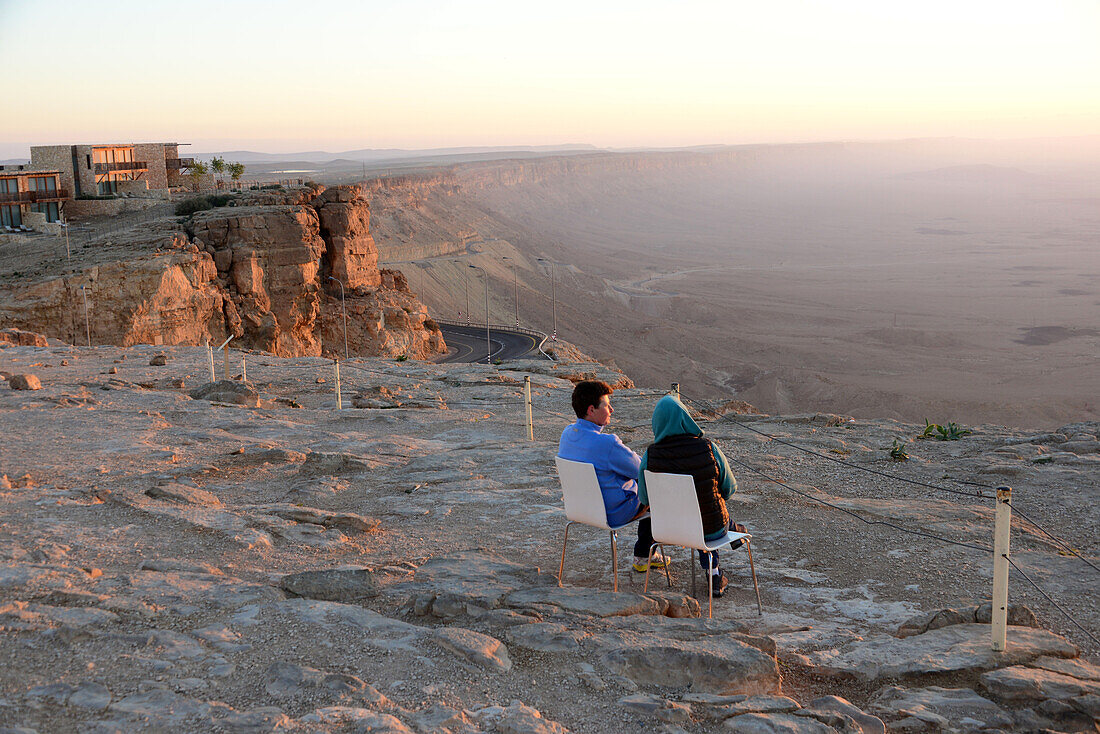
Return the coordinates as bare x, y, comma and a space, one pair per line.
500, 407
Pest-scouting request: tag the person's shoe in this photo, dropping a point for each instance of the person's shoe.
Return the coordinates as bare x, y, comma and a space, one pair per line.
718, 584
659, 561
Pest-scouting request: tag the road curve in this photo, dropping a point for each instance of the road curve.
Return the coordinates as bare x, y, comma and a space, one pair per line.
468, 343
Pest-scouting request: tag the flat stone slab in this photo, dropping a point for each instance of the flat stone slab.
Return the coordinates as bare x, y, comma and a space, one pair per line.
957, 647
594, 602
334, 584
719, 665
938, 706
1022, 683
777, 724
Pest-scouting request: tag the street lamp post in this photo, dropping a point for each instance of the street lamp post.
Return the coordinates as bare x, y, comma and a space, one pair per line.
515, 286
344, 307
467, 272
554, 296
488, 342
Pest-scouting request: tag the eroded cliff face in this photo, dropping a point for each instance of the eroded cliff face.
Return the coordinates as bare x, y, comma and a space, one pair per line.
260, 272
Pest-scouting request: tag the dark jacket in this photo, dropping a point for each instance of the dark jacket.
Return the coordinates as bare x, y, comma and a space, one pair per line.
680, 448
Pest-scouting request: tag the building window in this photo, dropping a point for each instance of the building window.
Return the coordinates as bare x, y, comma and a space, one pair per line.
88, 158
9, 185
49, 208
10, 216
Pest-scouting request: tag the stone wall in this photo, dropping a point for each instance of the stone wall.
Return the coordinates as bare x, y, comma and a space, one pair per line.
57, 158
153, 154
83, 208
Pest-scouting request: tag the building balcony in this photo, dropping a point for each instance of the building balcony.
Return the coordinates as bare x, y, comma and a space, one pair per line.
175, 164
32, 197
123, 166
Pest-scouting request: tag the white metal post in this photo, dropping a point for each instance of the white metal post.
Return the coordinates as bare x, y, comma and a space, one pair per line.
336, 370
1001, 537
244, 370
210, 356
87, 323
527, 406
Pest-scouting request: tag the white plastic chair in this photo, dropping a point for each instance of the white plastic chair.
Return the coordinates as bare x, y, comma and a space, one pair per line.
584, 504
677, 520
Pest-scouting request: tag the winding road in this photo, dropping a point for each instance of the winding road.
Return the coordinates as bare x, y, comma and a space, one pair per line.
469, 343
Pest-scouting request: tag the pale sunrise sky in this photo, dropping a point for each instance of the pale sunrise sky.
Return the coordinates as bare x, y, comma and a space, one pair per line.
292, 76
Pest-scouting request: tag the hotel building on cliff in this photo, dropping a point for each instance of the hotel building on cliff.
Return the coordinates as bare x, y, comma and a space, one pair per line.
60, 174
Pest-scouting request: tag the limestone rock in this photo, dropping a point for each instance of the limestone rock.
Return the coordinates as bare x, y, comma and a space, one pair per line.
517, 718
546, 637
158, 360
287, 679
228, 391
712, 665
343, 585
938, 706
956, 647
777, 724
358, 719
25, 382
1022, 683
864, 722
185, 494
21, 338
1018, 614
1075, 667
663, 709
90, 695
585, 601
482, 650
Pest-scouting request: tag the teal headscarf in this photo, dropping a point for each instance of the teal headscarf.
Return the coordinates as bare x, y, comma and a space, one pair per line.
671, 418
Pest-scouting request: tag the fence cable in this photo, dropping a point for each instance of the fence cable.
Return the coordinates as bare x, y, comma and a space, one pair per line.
1060, 542
1047, 596
835, 460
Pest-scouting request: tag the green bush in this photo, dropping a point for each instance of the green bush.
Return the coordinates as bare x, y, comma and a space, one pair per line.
202, 203
951, 432
898, 452
190, 206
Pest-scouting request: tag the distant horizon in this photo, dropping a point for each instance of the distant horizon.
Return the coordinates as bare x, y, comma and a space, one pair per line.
341, 75
287, 148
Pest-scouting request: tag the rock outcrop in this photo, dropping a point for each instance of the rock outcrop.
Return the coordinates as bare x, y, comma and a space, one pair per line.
267, 271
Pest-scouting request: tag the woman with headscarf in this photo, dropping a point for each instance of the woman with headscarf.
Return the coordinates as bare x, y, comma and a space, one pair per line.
679, 448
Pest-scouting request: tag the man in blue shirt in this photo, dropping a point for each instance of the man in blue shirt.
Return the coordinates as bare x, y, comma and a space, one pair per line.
616, 465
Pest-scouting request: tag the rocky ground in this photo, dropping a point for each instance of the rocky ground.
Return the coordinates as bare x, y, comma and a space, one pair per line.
181, 556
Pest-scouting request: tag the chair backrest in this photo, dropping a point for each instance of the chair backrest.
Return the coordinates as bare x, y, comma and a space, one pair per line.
581, 492
675, 509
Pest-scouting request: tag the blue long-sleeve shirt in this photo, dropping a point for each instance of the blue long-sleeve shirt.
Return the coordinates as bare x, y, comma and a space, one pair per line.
616, 465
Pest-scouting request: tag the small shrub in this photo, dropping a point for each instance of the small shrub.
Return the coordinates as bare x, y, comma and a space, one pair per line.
401, 358
898, 452
951, 432
190, 206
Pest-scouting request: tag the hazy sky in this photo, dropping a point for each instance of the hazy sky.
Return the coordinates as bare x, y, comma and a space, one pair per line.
285, 76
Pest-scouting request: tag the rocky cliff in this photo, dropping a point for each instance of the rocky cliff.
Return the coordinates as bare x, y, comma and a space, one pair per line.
267, 271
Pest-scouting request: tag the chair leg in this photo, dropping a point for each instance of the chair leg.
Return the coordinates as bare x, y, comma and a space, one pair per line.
668, 562
649, 560
561, 567
752, 567
710, 587
614, 561
691, 562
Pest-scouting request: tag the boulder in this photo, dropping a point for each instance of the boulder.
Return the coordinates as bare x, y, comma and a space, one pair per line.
953, 648
158, 360
25, 382
939, 706
777, 724
711, 665
185, 494
228, 391
482, 650
343, 585
21, 338
1021, 683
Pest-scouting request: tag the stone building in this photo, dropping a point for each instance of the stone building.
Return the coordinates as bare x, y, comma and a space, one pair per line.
115, 168
29, 196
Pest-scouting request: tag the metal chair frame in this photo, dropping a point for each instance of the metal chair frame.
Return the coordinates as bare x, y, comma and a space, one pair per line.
584, 506
677, 520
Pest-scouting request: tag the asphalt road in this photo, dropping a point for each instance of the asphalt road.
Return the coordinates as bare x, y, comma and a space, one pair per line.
469, 344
